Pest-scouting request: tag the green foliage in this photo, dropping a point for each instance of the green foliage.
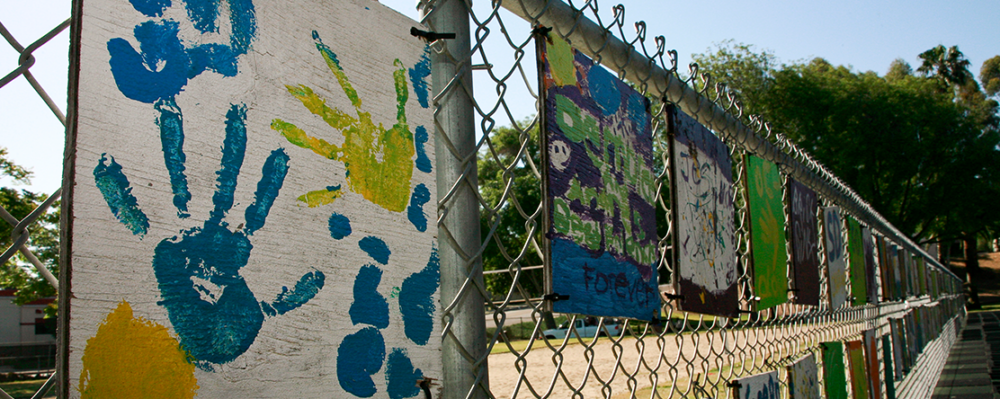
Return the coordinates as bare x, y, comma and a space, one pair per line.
989, 74
747, 74
510, 185
17, 273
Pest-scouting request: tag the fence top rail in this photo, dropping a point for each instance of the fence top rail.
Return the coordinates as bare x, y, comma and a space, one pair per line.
601, 44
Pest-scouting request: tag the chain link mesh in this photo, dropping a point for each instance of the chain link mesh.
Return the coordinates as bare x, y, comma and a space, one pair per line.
21, 233
685, 355
477, 77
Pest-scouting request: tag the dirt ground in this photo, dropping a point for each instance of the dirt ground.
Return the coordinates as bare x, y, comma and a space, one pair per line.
988, 283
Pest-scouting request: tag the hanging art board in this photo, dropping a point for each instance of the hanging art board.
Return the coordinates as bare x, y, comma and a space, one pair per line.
599, 186
871, 283
834, 371
898, 345
888, 359
859, 377
870, 340
921, 276
805, 243
897, 271
704, 229
767, 232
241, 223
836, 258
803, 378
758, 386
856, 261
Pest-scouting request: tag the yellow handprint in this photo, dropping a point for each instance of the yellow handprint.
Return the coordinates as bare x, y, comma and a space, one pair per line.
379, 162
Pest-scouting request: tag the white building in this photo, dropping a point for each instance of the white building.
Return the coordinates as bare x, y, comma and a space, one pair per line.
24, 324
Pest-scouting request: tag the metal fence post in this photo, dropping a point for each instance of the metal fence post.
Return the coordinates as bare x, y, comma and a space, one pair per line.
464, 326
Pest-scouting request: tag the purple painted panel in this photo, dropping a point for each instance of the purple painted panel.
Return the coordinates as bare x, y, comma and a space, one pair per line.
805, 243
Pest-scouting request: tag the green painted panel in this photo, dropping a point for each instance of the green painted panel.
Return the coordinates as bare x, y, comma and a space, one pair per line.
834, 375
856, 252
890, 385
859, 377
767, 232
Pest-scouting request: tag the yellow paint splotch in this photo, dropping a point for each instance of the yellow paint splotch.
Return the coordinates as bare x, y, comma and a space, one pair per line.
132, 357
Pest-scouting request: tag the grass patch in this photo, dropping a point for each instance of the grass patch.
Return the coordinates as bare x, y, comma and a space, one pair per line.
23, 389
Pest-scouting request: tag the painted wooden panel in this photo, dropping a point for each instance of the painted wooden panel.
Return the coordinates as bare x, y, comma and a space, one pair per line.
836, 258
870, 339
834, 370
767, 232
898, 349
871, 283
856, 261
888, 359
859, 377
803, 378
758, 386
805, 243
252, 205
705, 239
600, 186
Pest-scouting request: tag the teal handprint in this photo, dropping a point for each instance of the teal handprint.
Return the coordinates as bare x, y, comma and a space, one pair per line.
212, 310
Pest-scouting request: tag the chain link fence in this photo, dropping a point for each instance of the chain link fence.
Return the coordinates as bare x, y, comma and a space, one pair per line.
493, 320
496, 272
21, 233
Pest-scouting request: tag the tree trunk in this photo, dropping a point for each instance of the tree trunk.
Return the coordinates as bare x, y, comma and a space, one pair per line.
972, 271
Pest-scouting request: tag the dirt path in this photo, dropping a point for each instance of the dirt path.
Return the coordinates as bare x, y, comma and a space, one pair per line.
585, 367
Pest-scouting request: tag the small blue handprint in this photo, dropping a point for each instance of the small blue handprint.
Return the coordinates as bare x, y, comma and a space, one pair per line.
212, 310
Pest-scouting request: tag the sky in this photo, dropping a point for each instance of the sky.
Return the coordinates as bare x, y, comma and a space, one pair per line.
866, 35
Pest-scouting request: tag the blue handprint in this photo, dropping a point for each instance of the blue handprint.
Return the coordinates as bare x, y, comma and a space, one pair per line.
163, 66
212, 310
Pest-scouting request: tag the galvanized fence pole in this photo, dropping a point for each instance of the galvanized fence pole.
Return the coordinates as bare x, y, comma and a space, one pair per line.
462, 299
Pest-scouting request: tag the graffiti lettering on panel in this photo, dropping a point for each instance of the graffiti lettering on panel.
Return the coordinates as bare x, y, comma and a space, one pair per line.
836, 262
805, 243
600, 187
704, 214
252, 202
803, 378
767, 232
856, 260
759, 386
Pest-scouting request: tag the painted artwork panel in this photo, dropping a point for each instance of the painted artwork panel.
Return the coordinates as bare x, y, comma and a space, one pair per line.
836, 257
859, 376
704, 218
834, 370
921, 275
758, 386
889, 362
897, 271
803, 378
898, 345
856, 261
767, 232
885, 269
600, 186
252, 202
805, 243
871, 283
870, 339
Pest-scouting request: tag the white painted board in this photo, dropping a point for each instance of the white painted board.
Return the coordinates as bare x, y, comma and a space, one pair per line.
251, 207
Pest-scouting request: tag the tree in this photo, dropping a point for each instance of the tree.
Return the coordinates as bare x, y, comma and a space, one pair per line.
989, 74
509, 184
947, 65
17, 273
747, 74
